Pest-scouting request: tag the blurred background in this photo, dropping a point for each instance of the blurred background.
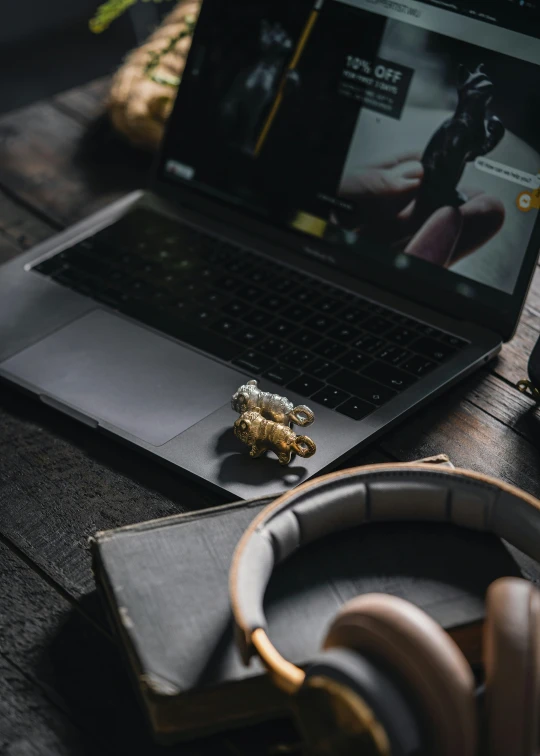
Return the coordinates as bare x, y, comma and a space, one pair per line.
46, 46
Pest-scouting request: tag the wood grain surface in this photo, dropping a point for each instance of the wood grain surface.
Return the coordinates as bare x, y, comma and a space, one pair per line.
62, 686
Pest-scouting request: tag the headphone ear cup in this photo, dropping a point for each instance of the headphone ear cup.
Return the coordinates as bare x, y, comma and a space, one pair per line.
423, 657
382, 707
512, 667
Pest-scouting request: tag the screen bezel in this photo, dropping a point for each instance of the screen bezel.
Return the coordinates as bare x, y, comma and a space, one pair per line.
498, 311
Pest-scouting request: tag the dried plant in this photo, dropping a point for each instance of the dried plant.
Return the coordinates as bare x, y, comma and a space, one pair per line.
110, 11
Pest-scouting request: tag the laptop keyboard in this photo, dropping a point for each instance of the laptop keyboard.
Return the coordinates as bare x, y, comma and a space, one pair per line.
327, 344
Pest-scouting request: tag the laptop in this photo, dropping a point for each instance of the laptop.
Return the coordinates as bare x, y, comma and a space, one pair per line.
345, 208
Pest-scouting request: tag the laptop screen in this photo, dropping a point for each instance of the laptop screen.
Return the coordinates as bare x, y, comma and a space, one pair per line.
397, 130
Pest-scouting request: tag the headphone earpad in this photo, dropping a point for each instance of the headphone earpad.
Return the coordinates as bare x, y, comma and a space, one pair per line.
387, 704
423, 657
512, 667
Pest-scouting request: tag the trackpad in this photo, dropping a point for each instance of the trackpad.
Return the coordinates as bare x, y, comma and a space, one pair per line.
115, 371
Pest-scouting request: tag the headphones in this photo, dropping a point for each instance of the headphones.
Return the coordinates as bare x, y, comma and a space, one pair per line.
388, 675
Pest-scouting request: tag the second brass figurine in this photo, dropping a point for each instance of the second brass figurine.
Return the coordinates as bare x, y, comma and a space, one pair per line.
263, 435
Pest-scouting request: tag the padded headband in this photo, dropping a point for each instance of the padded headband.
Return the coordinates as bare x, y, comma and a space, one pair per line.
342, 500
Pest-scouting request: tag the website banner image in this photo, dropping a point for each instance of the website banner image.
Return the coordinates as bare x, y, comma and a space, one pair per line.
444, 162
383, 127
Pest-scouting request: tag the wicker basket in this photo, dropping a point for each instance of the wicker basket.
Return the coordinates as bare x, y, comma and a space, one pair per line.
143, 89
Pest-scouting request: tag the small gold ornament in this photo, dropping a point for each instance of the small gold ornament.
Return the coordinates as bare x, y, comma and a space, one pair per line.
527, 387
271, 406
263, 435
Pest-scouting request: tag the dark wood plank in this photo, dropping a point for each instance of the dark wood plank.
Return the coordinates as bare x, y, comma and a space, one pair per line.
19, 226
63, 683
471, 437
502, 401
84, 103
31, 726
32, 708
8, 248
63, 169
61, 482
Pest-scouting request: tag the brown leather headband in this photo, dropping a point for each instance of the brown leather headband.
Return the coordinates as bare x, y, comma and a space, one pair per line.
349, 498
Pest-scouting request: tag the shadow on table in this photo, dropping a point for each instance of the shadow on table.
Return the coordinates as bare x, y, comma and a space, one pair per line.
110, 162
93, 684
528, 424
181, 494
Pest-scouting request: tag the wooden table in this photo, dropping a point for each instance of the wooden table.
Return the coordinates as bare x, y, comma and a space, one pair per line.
63, 689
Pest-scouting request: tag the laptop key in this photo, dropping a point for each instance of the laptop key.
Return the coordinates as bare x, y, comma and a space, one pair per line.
236, 309
428, 330
362, 387
228, 283
402, 336
418, 365
258, 276
253, 361
305, 385
213, 298
393, 354
433, 350
306, 339
330, 396
329, 306
181, 306
226, 326
281, 374
354, 360
163, 298
330, 349
202, 314
368, 344
453, 341
249, 336
321, 368
258, 318
296, 312
355, 408
296, 358
283, 328
284, 285
251, 293
321, 323
272, 302
377, 325
273, 347
304, 296
353, 315
388, 375
343, 333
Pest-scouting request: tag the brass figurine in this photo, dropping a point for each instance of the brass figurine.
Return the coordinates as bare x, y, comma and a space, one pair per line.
262, 435
272, 406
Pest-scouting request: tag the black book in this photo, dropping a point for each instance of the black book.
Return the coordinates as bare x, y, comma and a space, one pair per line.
165, 584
